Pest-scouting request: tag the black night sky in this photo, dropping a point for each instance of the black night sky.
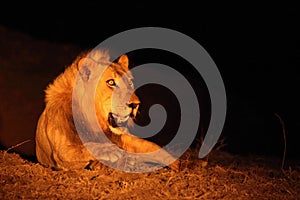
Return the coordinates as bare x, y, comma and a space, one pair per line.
255, 47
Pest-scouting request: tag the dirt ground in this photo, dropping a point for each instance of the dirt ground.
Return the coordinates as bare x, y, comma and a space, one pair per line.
224, 176
28, 65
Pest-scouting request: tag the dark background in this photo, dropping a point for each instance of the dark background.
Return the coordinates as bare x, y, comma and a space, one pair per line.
255, 47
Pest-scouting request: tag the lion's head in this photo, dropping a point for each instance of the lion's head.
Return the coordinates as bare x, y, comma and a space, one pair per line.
116, 104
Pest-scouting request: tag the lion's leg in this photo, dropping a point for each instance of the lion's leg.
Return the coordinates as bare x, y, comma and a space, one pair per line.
72, 157
53, 147
80, 156
138, 145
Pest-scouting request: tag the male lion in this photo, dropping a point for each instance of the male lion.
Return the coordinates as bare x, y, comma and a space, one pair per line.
58, 143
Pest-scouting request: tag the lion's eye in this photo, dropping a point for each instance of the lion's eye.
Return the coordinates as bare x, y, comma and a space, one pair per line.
111, 82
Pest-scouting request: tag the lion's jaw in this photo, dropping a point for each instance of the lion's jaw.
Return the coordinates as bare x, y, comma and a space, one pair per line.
116, 120
118, 123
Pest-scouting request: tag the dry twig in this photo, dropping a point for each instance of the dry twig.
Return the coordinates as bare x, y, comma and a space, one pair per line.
15, 146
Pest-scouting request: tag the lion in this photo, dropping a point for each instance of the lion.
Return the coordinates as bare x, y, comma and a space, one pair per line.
58, 144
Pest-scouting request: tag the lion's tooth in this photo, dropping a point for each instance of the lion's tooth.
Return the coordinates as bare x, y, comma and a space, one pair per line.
123, 119
126, 118
115, 116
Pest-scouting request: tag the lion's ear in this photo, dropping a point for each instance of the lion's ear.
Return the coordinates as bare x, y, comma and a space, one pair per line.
84, 68
124, 61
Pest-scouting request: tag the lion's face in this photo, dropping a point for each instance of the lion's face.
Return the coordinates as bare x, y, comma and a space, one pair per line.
115, 101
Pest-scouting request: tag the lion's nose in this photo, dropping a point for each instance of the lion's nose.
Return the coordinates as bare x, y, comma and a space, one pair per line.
133, 105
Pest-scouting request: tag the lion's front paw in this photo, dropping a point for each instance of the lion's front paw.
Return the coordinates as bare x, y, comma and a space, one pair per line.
104, 152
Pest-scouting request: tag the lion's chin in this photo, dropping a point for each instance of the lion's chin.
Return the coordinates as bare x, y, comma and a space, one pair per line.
117, 123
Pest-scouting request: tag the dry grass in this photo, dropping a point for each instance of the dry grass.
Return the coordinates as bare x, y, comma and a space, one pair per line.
226, 176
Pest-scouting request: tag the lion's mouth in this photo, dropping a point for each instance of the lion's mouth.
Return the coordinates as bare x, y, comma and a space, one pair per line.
117, 121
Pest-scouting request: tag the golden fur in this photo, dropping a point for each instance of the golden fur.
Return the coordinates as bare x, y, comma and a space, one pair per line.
58, 144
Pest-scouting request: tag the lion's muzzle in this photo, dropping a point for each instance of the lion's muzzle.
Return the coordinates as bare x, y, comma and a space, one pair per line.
117, 120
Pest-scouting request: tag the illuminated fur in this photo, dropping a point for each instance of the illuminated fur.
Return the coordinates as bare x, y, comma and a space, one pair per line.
58, 144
